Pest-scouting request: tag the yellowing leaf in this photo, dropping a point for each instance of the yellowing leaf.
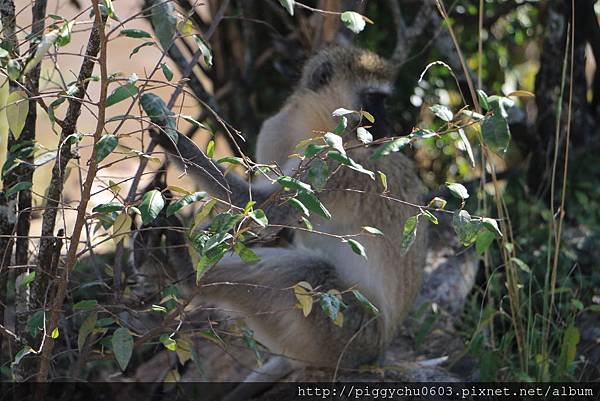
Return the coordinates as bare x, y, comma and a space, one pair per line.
184, 350
172, 377
121, 226
339, 320
16, 112
303, 290
55, 333
521, 93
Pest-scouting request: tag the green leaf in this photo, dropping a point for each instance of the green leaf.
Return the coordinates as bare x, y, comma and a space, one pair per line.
429, 216
168, 342
185, 200
121, 93
318, 173
313, 203
307, 223
167, 71
292, 183
363, 135
353, 21
483, 241
85, 304
259, 217
105, 146
246, 254
232, 160
341, 126
483, 99
372, 230
344, 159
458, 190
164, 21
383, 179
395, 146
138, 48
312, 149
520, 264
357, 248
568, 350
494, 129
152, 204
331, 305
64, 33
87, 327
288, 5
409, 233
135, 33
299, 205
108, 207
122, 346
14, 69
35, 323
23, 280
465, 227
467, 145
54, 333
18, 187
442, 112
492, 226
365, 302
26, 350
191, 120
17, 107
422, 133
210, 149
159, 114
205, 49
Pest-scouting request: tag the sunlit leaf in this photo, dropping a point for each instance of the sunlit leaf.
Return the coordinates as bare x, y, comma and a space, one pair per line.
365, 302
357, 248
385, 149
185, 200
442, 112
465, 227
105, 146
205, 49
18, 187
353, 21
409, 233
152, 204
288, 5
458, 190
302, 291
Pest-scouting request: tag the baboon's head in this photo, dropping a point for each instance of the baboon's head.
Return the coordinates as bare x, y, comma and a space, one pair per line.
352, 78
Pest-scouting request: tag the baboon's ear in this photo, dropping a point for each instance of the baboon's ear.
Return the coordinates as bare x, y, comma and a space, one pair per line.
321, 76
